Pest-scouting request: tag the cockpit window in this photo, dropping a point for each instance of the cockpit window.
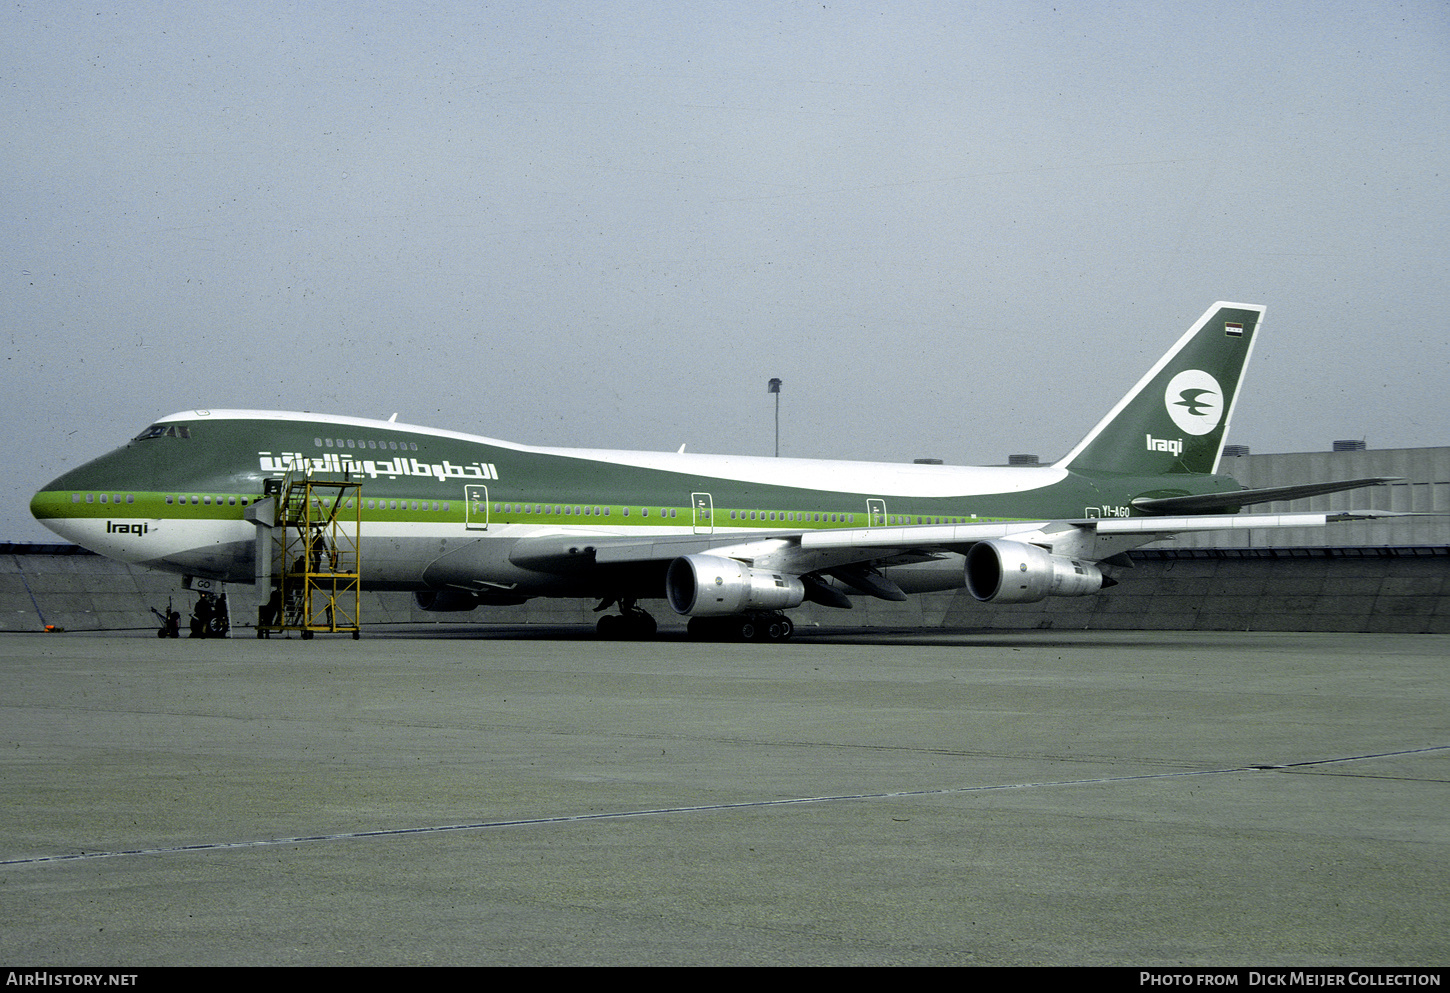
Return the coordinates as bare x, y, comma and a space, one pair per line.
163, 431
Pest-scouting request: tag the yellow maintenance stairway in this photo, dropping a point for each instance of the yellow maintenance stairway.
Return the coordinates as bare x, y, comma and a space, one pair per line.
318, 538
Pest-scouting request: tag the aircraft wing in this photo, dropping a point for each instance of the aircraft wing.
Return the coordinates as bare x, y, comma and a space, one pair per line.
565, 553
1093, 539
802, 552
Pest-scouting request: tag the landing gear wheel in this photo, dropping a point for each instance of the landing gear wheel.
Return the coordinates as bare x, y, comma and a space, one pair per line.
778, 629
705, 629
742, 627
633, 624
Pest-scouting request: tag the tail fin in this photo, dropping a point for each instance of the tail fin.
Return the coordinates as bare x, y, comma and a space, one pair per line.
1176, 418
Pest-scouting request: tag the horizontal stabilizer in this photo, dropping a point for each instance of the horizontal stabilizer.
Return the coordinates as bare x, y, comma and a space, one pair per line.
1345, 516
1164, 526
1231, 501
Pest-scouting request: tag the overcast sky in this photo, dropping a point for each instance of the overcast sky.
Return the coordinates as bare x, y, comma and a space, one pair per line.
958, 230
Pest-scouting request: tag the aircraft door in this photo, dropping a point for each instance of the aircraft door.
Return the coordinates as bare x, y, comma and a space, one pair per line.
475, 507
875, 512
703, 509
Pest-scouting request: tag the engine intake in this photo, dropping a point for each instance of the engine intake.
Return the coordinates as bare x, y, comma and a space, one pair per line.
1000, 571
714, 586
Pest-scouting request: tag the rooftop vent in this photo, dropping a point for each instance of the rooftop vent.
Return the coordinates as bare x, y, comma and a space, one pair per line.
1022, 460
1236, 450
926, 462
1349, 446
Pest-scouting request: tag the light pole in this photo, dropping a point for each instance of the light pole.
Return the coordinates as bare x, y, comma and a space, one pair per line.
774, 387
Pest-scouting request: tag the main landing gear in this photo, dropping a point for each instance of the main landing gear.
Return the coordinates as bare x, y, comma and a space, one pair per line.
634, 624
760, 626
630, 624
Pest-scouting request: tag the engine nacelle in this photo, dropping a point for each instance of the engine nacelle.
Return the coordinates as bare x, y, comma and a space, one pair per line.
714, 586
1000, 571
444, 600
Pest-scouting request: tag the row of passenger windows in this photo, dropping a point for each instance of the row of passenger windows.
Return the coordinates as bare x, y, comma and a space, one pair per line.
907, 519
792, 515
565, 510
407, 505
557, 510
371, 504
178, 431
393, 446
206, 499
171, 498
795, 516
104, 498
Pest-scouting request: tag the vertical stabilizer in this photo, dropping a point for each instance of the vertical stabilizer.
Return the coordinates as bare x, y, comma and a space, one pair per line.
1176, 418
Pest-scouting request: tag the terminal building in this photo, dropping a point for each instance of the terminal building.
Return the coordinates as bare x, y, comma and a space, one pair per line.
1375, 576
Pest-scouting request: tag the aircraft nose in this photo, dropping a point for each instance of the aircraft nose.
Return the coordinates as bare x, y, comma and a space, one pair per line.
48, 507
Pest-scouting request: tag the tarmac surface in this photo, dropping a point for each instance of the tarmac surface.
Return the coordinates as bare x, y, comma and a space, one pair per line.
512, 798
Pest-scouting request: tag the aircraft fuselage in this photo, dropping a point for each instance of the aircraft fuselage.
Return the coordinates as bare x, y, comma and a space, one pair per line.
436, 504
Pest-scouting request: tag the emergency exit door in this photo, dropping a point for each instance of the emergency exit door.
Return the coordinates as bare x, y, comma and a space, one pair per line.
703, 510
875, 512
475, 504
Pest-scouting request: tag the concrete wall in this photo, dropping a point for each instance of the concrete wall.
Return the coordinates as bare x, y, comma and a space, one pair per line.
1379, 590
1369, 589
69, 587
1424, 488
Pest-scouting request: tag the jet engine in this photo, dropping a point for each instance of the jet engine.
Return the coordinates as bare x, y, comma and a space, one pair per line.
714, 586
1000, 571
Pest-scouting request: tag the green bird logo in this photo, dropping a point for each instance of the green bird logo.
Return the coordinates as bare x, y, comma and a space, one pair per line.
1196, 407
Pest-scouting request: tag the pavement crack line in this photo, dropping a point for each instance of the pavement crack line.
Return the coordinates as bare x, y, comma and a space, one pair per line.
219, 846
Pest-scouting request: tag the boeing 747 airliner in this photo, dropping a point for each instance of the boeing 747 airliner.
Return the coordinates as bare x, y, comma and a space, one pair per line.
731, 542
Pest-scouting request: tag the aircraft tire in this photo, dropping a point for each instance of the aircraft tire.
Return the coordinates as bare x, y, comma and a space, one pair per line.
741, 628
637, 626
778, 629
704, 629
